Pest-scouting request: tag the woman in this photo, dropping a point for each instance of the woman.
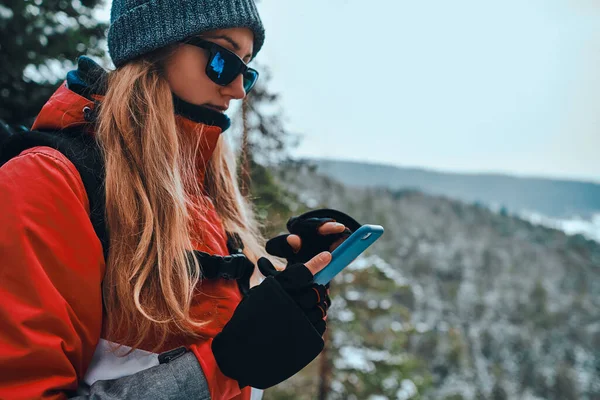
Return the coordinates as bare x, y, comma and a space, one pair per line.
135, 313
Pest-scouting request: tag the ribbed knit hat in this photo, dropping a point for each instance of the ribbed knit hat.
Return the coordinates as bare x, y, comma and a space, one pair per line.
140, 26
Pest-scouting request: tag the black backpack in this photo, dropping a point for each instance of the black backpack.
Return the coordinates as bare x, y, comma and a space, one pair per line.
83, 151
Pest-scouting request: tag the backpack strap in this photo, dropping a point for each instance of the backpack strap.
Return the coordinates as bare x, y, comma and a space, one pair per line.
232, 267
83, 151
234, 243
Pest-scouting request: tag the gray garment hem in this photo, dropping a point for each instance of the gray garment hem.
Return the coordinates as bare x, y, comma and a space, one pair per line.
180, 379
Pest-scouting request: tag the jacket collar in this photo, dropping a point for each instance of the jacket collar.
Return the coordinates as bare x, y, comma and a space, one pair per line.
74, 102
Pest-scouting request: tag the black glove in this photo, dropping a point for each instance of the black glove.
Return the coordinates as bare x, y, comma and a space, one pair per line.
306, 226
276, 330
297, 281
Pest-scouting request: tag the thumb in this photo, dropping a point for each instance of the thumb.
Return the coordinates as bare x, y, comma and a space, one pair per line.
266, 267
318, 262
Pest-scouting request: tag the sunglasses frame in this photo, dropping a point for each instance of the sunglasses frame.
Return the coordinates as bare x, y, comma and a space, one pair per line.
213, 49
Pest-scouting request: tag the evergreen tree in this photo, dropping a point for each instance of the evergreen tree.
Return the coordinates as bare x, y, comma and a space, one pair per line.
498, 392
264, 143
39, 40
564, 387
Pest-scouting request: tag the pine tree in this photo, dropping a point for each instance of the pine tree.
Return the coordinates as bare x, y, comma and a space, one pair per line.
498, 392
564, 387
264, 143
38, 41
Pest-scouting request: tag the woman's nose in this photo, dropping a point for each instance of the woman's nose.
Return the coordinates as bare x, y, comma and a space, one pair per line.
235, 89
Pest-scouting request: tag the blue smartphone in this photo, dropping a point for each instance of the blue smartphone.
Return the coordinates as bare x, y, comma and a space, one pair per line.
346, 252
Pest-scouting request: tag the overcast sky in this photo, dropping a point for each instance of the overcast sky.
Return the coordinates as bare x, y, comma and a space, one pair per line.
508, 86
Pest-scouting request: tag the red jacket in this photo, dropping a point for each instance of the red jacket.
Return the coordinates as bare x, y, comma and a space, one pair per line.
51, 271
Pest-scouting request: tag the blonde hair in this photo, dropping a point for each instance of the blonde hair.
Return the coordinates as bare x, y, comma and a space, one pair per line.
152, 190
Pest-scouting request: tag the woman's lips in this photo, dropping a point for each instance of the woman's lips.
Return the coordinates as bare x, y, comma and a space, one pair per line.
217, 108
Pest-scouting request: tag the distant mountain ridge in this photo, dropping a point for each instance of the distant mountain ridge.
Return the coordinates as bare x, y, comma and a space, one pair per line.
554, 198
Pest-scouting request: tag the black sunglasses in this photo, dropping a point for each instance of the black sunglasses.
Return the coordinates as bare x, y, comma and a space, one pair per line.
223, 65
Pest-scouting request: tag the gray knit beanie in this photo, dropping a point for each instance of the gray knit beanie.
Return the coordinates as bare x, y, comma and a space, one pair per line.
140, 26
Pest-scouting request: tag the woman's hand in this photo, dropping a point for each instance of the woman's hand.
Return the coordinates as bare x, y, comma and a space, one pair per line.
312, 233
278, 325
328, 228
297, 281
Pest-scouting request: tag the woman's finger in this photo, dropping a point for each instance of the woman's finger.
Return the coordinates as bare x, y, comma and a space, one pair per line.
295, 242
329, 228
318, 262
337, 243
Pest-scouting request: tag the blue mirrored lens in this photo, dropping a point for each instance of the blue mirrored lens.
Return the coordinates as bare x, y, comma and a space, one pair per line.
250, 78
218, 64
